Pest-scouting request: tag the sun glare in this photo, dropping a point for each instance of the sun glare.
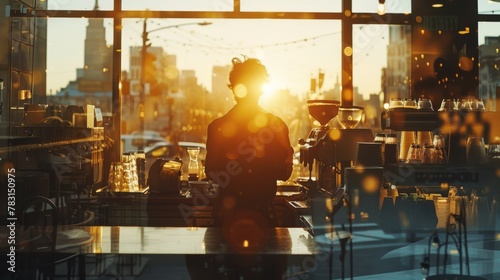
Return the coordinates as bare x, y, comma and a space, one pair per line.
268, 90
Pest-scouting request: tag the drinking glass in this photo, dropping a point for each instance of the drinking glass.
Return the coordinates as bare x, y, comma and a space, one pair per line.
115, 177
407, 139
428, 153
448, 105
130, 166
494, 150
424, 137
464, 104
396, 103
391, 138
438, 140
127, 183
193, 165
414, 154
410, 103
477, 105
439, 155
424, 104
379, 137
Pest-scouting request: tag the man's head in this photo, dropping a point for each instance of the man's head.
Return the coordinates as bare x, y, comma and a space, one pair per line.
246, 78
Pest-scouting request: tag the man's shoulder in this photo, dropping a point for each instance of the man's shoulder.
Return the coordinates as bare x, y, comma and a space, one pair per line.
270, 115
274, 120
216, 121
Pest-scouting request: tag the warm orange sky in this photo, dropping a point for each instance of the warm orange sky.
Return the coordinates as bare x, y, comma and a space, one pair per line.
293, 51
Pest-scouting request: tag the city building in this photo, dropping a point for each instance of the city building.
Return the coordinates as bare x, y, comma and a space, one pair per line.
489, 82
142, 192
94, 80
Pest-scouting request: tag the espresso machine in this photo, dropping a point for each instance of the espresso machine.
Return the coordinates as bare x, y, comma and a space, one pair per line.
329, 154
327, 151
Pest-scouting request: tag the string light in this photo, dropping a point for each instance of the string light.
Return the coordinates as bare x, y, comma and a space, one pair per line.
214, 46
381, 7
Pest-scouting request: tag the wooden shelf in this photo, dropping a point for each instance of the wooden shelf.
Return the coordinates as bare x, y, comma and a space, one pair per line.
482, 176
22, 148
483, 124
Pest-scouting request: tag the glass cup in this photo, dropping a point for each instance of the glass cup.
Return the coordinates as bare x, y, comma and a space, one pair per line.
465, 105
439, 156
128, 178
410, 103
494, 150
21, 95
414, 154
477, 105
428, 154
407, 139
438, 140
115, 177
379, 137
391, 138
475, 152
193, 165
130, 166
448, 105
424, 138
424, 104
396, 103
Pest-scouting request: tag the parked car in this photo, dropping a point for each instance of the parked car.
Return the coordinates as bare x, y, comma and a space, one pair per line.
151, 133
132, 142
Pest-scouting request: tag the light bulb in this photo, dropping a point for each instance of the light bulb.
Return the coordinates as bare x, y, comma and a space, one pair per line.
381, 8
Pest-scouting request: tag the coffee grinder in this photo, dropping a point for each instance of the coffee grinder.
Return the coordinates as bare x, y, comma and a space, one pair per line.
323, 111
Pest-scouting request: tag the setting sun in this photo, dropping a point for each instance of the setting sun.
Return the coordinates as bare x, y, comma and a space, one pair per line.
268, 90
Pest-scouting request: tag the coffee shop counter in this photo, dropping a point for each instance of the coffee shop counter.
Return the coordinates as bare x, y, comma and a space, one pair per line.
185, 209
182, 240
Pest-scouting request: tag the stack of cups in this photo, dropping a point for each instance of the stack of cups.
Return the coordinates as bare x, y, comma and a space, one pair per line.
391, 149
407, 138
424, 138
115, 177
130, 179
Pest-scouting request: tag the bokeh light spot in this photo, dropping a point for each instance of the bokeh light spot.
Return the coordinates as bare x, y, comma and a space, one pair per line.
240, 91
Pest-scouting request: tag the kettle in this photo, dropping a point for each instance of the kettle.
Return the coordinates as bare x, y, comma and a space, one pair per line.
164, 177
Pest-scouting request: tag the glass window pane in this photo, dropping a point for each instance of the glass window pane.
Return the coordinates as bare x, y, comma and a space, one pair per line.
381, 66
79, 71
191, 64
26, 58
15, 58
489, 63
391, 6
80, 5
185, 5
291, 5
22, 28
488, 7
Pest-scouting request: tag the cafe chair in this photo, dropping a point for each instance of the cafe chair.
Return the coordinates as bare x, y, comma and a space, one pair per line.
39, 219
38, 236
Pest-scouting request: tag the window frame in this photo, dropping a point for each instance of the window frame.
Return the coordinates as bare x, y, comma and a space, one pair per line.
346, 17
